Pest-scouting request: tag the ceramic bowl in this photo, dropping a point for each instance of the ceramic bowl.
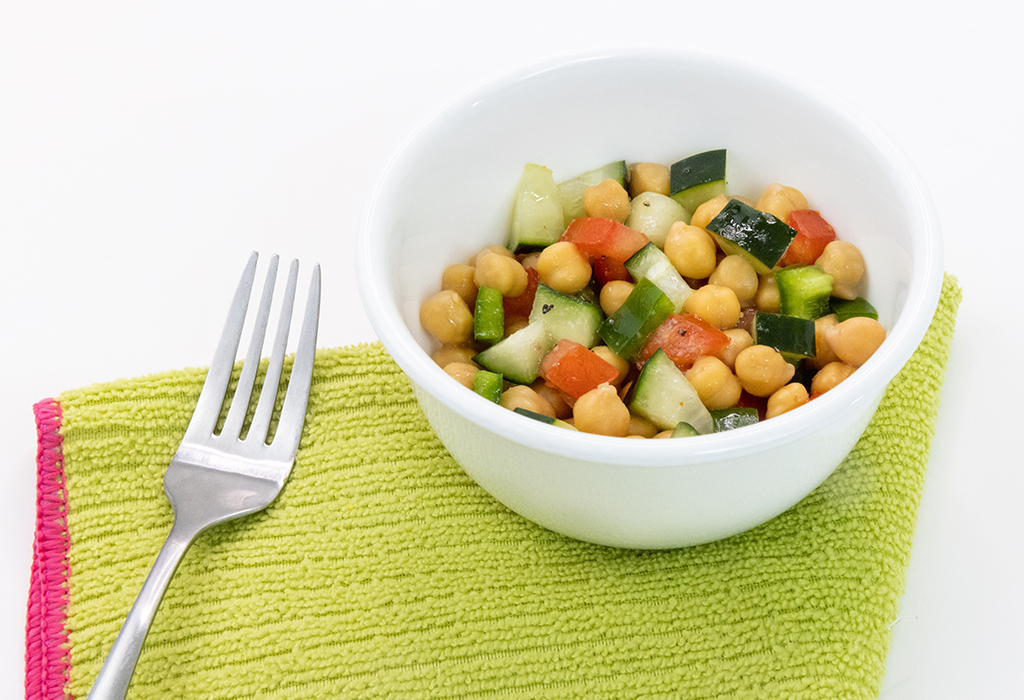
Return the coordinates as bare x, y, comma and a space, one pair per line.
447, 193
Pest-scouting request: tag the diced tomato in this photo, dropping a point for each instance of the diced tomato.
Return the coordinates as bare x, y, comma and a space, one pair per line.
813, 233
574, 370
608, 270
595, 236
523, 304
684, 338
751, 401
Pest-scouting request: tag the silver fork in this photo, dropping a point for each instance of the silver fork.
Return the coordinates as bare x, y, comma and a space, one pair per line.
217, 477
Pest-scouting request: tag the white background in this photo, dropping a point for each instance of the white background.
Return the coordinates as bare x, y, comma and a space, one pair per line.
147, 148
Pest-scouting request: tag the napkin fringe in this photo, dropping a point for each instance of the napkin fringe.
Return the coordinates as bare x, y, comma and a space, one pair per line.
47, 662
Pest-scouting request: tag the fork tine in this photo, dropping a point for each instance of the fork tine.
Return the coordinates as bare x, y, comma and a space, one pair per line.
211, 398
243, 391
293, 414
265, 407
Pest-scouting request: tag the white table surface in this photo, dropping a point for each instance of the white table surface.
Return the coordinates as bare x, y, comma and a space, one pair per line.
147, 148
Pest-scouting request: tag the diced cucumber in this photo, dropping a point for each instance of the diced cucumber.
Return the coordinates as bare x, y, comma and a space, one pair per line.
684, 430
790, 335
537, 220
488, 316
626, 330
488, 385
732, 418
665, 397
653, 214
543, 419
758, 237
567, 317
518, 356
697, 179
848, 308
571, 191
652, 263
804, 291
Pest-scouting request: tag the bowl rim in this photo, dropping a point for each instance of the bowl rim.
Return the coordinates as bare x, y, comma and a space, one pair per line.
865, 386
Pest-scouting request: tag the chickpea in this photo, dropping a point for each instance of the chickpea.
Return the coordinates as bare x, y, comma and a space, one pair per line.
555, 399
601, 411
664, 434
739, 340
495, 248
691, 250
822, 348
844, 262
716, 305
641, 427
453, 353
767, 296
714, 382
519, 396
562, 266
447, 317
829, 376
786, 399
738, 275
606, 200
855, 339
648, 177
708, 211
762, 370
459, 279
606, 354
502, 273
778, 200
462, 372
613, 295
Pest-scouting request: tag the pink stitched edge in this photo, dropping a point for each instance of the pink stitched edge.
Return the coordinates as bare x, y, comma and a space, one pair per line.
46, 637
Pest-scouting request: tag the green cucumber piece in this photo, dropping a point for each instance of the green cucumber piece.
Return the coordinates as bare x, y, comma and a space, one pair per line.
651, 263
804, 291
790, 335
758, 237
488, 385
570, 191
626, 331
664, 396
849, 308
567, 317
684, 430
697, 179
542, 418
537, 220
518, 356
653, 214
488, 316
732, 418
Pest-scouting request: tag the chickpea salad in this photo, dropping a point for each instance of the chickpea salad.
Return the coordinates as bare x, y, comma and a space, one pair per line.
644, 301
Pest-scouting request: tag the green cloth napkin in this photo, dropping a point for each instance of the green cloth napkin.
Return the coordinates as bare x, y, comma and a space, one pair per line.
383, 571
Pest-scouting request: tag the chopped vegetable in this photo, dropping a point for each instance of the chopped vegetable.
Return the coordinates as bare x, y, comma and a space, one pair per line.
573, 369
604, 237
684, 338
760, 238
813, 233
626, 331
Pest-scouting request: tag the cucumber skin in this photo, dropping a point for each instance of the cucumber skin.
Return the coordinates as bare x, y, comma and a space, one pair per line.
695, 180
537, 219
626, 331
759, 238
790, 335
732, 418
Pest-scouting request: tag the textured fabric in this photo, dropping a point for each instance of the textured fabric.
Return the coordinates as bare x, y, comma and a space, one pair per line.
383, 571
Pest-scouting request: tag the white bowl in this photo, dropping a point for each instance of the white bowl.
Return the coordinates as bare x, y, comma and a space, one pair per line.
448, 191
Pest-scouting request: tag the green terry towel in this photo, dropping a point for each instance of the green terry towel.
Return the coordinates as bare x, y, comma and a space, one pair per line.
383, 571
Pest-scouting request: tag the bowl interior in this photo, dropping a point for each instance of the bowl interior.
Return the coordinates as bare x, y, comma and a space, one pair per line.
449, 191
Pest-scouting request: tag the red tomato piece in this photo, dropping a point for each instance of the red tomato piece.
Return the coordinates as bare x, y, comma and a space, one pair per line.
522, 305
607, 270
574, 370
595, 236
813, 233
684, 338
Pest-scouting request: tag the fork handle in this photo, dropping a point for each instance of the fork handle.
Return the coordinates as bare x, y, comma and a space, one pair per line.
116, 675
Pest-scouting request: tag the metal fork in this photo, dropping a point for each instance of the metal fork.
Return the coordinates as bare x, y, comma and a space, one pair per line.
215, 477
